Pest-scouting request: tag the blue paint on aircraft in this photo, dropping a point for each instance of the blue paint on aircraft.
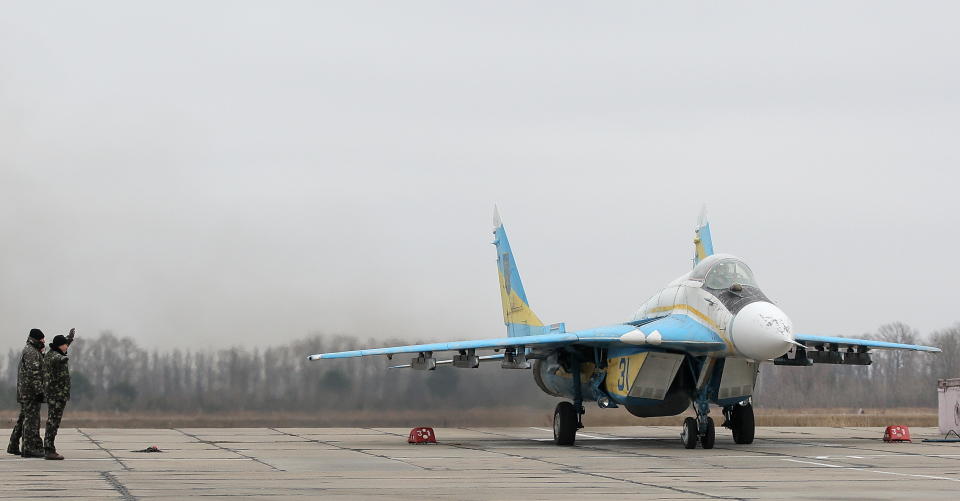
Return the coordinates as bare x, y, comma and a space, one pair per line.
814, 340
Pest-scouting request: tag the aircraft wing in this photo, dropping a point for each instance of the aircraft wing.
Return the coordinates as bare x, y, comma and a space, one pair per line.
676, 332
846, 341
528, 341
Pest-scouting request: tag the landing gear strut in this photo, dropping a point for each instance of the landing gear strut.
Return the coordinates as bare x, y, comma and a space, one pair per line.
739, 418
700, 428
568, 417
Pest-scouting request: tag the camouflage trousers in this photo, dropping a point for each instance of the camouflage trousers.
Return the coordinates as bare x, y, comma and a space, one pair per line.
28, 427
54, 415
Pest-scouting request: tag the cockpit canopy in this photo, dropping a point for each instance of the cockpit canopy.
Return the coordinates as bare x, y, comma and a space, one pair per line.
720, 271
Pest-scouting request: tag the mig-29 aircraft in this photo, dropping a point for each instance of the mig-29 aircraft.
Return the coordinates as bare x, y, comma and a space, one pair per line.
699, 340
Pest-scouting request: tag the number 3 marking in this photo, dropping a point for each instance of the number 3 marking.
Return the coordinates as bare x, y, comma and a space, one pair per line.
622, 381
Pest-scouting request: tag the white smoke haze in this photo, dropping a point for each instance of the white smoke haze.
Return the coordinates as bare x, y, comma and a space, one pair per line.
245, 173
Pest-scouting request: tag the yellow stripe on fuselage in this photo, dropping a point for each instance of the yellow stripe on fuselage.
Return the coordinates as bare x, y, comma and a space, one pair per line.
697, 313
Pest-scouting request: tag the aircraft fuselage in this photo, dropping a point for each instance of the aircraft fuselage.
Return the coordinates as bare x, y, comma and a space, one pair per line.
739, 326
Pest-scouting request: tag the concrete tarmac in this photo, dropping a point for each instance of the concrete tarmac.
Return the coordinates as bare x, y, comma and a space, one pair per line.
642, 462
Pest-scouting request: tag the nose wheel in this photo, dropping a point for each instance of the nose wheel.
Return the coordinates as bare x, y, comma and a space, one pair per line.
701, 428
709, 436
691, 433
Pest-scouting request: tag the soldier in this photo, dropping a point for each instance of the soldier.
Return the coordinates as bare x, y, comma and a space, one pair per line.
56, 378
30, 396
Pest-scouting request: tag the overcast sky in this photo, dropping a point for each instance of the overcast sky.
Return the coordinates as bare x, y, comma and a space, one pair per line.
231, 173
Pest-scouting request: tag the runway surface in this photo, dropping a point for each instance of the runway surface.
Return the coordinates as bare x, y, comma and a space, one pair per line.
643, 462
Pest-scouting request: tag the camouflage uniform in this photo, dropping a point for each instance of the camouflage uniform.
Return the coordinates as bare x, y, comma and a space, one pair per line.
56, 377
30, 396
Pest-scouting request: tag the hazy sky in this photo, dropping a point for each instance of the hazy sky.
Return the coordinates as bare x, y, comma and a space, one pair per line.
225, 173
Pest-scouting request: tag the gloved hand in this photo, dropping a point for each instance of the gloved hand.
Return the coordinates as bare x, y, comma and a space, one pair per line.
41, 397
72, 333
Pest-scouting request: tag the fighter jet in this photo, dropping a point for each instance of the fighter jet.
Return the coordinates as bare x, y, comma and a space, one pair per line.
700, 340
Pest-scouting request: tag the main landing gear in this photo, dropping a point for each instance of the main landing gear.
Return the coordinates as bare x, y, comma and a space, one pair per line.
566, 422
568, 417
739, 418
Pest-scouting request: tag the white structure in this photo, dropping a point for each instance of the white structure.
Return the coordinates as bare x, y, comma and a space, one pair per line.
948, 395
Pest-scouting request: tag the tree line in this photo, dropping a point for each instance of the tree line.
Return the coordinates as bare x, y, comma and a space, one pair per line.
113, 373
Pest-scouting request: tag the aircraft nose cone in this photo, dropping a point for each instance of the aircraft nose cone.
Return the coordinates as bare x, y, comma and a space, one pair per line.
761, 331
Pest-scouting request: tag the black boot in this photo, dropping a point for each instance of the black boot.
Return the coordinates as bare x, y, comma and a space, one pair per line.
33, 454
13, 449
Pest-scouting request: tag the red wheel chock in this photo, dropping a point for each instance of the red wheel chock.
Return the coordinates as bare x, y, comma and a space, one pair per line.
422, 435
897, 433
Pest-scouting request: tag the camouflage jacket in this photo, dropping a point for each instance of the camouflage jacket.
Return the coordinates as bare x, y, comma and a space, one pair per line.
30, 373
56, 376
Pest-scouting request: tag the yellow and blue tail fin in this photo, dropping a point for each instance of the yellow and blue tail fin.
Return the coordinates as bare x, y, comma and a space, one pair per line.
702, 241
517, 315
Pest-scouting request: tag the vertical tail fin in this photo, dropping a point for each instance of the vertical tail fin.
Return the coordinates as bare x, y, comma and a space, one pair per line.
517, 315
702, 241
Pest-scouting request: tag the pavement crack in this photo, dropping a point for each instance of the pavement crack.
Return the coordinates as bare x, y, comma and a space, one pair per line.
118, 486
581, 445
104, 449
845, 460
217, 445
573, 469
647, 484
361, 451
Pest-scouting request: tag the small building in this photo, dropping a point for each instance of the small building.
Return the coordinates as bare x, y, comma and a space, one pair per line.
948, 397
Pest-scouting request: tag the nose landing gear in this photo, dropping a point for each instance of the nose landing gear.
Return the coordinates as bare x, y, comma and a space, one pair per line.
692, 433
689, 434
709, 436
700, 428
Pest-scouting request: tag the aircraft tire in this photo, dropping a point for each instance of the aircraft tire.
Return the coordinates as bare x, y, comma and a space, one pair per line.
708, 439
744, 425
689, 433
565, 424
